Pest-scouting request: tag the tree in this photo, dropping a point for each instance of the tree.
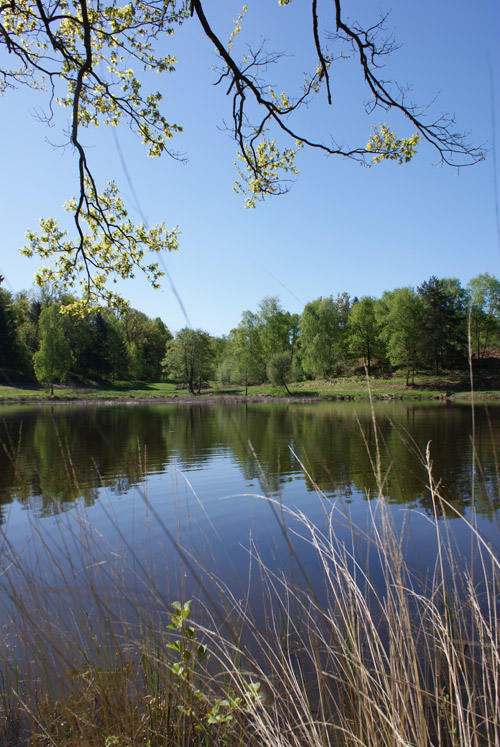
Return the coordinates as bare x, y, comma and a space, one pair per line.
400, 316
84, 54
277, 329
279, 368
484, 308
188, 358
7, 330
363, 330
320, 332
245, 360
53, 359
116, 346
99, 358
146, 340
26, 310
443, 320
107, 355
343, 304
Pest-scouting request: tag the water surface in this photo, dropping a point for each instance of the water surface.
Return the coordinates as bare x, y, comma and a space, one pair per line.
218, 480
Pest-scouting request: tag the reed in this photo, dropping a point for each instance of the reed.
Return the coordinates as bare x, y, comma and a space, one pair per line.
363, 650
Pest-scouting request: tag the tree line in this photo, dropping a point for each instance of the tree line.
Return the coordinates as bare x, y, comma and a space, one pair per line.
429, 328
38, 340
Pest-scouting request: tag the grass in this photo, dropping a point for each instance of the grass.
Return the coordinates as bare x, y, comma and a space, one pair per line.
346, 387
367, 652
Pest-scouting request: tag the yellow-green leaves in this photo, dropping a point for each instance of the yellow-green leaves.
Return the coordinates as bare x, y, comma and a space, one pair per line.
282, 103
237, 27
264, 167
386, 146
109, 249
56, 40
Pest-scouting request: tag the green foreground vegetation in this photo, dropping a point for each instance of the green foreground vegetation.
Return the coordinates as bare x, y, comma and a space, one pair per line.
100, 653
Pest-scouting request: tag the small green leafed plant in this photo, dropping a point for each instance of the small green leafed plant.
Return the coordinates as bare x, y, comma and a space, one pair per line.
199, 704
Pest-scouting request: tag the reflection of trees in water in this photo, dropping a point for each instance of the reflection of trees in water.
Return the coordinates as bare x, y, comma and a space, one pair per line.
336, 444
261, 437
344, 437
50, 457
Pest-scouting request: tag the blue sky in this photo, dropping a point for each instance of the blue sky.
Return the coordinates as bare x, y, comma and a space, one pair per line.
341, 228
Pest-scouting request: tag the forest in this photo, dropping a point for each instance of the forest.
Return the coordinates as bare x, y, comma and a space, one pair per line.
432, 328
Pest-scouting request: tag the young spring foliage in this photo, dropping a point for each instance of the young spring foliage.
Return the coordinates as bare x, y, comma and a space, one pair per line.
188, 358
53, 360
115, 248
386, 146
94, 59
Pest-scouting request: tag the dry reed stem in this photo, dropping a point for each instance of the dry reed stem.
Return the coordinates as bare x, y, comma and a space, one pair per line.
366, 653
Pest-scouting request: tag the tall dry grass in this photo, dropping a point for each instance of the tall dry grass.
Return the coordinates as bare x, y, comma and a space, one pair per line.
364, 650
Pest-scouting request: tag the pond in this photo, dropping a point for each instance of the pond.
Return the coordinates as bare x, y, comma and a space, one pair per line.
341, 559
226, 481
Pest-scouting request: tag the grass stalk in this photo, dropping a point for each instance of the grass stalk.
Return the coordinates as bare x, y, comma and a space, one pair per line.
367, 651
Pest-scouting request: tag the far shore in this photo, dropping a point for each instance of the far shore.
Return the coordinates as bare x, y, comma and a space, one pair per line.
140, 393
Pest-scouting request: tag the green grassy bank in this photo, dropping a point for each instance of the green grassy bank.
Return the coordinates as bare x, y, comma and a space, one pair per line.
452, 384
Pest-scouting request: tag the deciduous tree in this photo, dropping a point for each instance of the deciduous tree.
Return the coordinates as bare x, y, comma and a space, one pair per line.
320, 334
484, 308
53, 360
279, 369
189, 357
400, 316
245, 352
26, 310
146, 340
276, 327
363, 330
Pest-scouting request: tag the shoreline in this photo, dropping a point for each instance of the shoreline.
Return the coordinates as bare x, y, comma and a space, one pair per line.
215, 399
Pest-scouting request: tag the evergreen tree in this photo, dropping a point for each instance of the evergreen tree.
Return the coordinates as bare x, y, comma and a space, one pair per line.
443, 321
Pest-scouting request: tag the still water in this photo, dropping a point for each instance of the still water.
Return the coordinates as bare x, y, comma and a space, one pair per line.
219, 481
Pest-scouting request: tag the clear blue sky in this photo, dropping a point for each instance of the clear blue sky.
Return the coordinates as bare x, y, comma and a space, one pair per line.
342, 227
